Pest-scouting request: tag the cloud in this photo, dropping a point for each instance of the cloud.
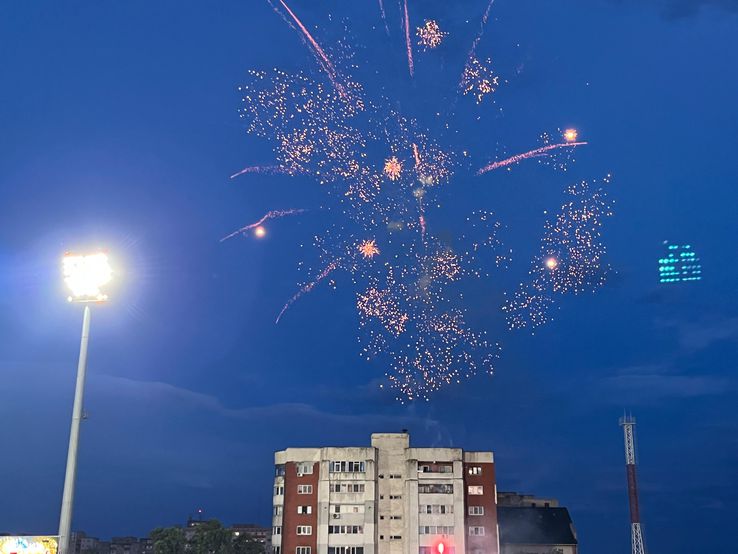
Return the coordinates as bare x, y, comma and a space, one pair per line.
157, 391
700, 334
644, 388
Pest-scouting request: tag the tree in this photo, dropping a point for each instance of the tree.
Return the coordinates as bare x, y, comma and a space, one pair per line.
168, 540
212, 538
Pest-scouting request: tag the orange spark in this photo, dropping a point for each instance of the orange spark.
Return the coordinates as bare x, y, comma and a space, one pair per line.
392, 168
368, 248
570, 135
552, 263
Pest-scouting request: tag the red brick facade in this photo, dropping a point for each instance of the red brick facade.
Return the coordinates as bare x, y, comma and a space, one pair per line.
486, 544
292, 499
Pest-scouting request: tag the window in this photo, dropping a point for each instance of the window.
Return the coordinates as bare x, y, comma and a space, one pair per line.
276, 550
279, 470
302, 550
395, 497
476, 531
395, 517
428, 467
345, 529
436, 509
436, 488
345, 550
304, 489
347, 509
436, 530
395, 537
475, 470
395, 476
476, 490
277, 510
276, 530
304, 530
348, 467
278, 490
304, 510
347, 487
304, 468
476, 510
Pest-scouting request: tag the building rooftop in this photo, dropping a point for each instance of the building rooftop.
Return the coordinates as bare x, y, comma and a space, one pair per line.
529, 525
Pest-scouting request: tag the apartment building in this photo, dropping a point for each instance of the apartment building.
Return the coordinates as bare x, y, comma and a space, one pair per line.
387, 498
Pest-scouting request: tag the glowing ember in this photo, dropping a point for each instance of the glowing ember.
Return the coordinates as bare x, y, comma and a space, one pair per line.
570, 135
551, 263
260, 232
430, 34
393, 168
368, 248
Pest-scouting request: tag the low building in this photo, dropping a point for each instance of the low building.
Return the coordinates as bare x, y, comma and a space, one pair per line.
257, 533
536, 529
514, 499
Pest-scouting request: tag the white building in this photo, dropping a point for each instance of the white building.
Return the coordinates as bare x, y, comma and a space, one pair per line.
388, 498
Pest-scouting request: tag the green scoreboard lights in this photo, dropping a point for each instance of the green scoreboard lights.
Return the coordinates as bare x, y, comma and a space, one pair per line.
679, 264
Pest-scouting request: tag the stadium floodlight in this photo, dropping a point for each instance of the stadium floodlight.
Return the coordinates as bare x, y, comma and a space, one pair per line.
85, 275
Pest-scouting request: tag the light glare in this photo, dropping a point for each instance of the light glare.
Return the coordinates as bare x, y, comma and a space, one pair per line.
85, 275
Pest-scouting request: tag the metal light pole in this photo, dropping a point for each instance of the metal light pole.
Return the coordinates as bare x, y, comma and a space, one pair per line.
84, 275
65, 521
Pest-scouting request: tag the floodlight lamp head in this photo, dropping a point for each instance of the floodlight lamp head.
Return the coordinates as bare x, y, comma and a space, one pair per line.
85, 275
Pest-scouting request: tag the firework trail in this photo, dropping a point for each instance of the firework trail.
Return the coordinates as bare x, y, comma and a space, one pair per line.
262, 169
322, 57
408, 44
416, 155
527, 155
308, 287
482, 26
384, 16
274, 214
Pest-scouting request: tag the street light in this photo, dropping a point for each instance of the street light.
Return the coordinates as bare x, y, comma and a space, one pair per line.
84, 275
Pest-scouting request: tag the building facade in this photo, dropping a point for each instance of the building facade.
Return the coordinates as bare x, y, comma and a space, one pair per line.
387, 498
532, 525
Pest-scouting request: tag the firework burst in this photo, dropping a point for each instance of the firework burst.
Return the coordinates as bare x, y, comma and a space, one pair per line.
430, 35
384, 173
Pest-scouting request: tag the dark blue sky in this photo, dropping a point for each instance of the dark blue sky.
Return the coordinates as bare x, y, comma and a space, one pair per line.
119, 129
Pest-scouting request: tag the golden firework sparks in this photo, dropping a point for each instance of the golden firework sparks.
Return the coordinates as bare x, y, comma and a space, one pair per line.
430, 34
368, 248
392, 168
570, 135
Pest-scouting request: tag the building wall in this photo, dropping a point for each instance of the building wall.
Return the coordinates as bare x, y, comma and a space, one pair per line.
479, 471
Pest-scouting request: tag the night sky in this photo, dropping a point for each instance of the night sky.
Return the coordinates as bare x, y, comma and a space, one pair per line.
120, 128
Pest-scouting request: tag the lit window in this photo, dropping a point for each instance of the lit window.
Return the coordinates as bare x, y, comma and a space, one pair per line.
475, 470
476, 490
